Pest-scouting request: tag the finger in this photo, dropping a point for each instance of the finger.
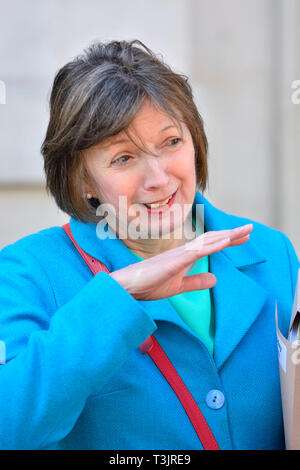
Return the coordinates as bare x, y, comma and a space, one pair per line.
237, 241
241, 231
211, 237
198, 282
201, 249
240, 241
247, 227
181, 257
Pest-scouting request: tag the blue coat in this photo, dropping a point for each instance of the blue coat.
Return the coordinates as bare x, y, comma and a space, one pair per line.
74, 377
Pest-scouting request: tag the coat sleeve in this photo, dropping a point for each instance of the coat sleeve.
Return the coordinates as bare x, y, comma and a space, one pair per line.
56, 358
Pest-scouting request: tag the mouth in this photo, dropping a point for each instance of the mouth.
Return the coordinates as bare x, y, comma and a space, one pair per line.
162, 205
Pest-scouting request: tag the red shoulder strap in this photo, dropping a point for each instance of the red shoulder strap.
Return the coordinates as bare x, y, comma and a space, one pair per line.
94, 264
157, 354
161, 360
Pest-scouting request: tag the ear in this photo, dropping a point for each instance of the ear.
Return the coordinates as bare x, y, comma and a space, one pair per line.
87, 187
87, 191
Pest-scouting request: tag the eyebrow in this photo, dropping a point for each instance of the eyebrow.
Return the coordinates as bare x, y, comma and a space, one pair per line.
124, 140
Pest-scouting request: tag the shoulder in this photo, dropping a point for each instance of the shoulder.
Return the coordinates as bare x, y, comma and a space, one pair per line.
217, 219
269, 239
275, 250
42, 252
45, 241
39, 268
264, 236
267, 248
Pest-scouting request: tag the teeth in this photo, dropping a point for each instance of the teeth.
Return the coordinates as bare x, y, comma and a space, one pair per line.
158, 204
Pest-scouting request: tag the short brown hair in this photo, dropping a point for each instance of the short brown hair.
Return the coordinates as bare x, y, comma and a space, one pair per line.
97, 95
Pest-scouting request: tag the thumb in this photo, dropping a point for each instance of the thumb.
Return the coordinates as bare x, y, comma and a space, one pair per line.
198, 282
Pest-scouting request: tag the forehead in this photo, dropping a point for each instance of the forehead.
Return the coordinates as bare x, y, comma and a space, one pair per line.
149, 122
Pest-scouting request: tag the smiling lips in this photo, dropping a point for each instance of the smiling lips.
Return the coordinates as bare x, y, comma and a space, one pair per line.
162, 202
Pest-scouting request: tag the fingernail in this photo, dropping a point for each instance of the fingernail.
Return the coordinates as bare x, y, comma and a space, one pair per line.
243, 227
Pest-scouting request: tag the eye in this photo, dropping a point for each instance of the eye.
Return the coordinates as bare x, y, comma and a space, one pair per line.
174, 142
119, 161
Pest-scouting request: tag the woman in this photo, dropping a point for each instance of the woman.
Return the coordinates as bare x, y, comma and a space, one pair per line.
125, 146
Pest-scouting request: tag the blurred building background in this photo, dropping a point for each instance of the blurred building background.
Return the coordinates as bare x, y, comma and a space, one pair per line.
241, 57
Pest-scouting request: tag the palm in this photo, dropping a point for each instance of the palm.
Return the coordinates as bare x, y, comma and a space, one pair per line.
177, 284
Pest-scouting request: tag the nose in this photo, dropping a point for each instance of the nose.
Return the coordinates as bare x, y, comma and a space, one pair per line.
155, 174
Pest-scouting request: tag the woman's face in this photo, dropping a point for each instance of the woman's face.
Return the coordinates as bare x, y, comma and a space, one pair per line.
117, 167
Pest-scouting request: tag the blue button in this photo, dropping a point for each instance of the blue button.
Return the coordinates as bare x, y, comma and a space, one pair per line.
215, 399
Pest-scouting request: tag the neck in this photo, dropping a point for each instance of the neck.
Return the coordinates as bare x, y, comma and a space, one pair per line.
146, 248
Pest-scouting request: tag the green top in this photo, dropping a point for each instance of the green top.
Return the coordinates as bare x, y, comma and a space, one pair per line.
196, 307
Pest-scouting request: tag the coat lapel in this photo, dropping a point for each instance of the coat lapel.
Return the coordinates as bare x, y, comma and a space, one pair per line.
238, 299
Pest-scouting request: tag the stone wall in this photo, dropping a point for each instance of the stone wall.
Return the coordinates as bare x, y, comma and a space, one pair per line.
241, 57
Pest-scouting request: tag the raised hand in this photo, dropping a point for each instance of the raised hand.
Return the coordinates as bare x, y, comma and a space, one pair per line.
163, 275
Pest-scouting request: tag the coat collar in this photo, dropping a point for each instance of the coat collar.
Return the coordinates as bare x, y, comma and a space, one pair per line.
237, 298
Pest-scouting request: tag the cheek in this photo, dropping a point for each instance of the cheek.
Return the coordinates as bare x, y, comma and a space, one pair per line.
184, 164
113, 186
